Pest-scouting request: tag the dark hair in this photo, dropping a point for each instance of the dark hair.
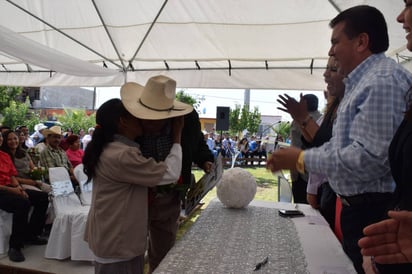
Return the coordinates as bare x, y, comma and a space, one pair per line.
365, 19
71, 139
20, 127
312, 102
20, 153
107, 120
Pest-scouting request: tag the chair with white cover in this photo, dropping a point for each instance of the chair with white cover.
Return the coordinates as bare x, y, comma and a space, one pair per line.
66, 235
6, 221
85, 188
284, 189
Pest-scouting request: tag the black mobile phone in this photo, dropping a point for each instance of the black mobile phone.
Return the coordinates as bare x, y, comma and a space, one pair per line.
290, 213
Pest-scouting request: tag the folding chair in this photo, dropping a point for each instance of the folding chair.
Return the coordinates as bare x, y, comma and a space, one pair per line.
66, 235
85, 188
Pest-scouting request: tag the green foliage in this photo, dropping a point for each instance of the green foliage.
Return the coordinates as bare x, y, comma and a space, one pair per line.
254, 120
234, 122
77, 119
282, 129
181, 96
241, 119
8, 95
17, 114
34, 119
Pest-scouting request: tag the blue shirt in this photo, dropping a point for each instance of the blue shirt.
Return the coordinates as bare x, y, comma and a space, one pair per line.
252, 145
355, 160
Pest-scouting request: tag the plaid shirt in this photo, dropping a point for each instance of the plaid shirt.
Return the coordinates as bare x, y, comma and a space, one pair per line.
356, 158
51, 157
157, 147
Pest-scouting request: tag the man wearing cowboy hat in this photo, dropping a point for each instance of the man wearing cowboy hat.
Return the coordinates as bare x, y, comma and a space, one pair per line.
38, 135
53, 155
156, 105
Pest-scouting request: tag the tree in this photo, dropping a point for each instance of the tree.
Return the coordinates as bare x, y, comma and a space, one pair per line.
77, 119
17, 114
254, 121
8, 95
282, 129
235, 125
181, 96
241, 119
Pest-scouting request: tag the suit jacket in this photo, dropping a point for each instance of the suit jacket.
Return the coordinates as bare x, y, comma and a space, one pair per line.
194, 147
400, 157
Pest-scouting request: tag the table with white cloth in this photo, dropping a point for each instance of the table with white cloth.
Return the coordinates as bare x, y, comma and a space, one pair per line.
225, 240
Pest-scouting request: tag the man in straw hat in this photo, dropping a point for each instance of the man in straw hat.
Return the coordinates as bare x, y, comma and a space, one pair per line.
53, 155
156, 105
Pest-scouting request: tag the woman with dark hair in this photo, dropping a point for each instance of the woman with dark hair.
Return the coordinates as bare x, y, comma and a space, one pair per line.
22, 161
22, 139
117, 235
74, 152
17, 200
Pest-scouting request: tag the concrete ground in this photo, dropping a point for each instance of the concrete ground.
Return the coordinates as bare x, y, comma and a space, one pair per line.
35, 260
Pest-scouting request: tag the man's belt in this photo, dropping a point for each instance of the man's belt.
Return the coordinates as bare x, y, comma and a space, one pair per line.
365, 198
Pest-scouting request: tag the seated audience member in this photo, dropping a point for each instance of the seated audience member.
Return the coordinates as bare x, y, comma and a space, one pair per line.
218, 144
81, 135
63, 143
28, 142
41, 145
16, 200
253, 147
38, 136
4, 128
210, 143
243, 147
23, 163
87, 138
22, 139
74, 152
53, 155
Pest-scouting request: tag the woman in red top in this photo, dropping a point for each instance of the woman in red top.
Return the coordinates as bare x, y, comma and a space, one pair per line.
16, 200
74, 152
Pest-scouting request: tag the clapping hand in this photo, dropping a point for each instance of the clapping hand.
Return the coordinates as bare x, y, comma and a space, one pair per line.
298, 110
389, 241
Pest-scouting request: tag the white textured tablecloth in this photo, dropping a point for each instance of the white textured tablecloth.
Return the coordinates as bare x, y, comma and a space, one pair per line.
226, 240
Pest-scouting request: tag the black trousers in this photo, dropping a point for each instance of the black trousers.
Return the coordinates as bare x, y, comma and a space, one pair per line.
327, 202
22, 228
299, 190
356, 217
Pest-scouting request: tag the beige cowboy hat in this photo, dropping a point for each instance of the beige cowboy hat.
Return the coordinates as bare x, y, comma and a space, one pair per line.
57, 130
155, 101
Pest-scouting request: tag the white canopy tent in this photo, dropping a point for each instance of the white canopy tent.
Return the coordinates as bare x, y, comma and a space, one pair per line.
276, 44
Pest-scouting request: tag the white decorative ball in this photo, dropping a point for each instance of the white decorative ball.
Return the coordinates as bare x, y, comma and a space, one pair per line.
237, 188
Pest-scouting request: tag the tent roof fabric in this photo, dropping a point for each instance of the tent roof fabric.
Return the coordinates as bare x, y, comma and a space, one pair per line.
211, 44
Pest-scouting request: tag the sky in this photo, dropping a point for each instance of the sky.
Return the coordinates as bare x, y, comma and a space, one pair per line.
265, 100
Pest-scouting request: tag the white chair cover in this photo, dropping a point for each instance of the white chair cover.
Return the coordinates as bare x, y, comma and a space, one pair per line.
6, 221
284, 189
85, 189
67, 233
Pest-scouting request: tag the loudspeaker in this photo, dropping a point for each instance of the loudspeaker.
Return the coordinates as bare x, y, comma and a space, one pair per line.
222, 118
